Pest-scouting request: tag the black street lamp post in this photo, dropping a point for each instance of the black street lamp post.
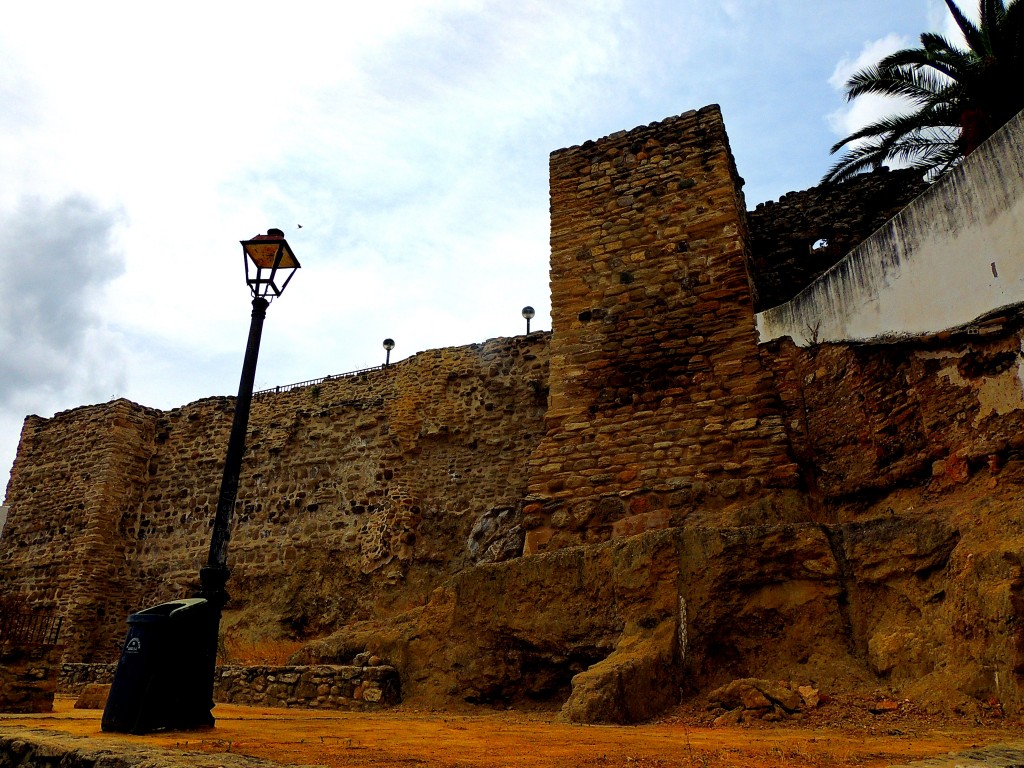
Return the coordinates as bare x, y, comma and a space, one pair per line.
389, 344
269, 266
165, 676
268, 258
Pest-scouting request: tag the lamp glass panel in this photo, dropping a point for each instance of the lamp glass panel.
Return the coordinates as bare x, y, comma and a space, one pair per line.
288, 260
263, 254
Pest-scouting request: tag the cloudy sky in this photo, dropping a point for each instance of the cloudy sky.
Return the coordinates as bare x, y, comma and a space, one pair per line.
139, 142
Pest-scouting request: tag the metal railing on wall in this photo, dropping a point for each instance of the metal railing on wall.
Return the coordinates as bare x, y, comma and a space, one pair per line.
321, 380
29, 628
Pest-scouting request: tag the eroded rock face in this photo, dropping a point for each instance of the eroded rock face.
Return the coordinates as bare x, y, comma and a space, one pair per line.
760, 599
614, 632
638, 681
934, 601
93, 696
928, 602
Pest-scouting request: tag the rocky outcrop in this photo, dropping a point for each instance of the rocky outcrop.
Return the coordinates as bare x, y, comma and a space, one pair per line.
618, 632
639, 680
614, 632
933, 600
93, 696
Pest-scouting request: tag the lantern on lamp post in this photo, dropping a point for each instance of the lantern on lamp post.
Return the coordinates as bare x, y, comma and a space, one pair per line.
389, 344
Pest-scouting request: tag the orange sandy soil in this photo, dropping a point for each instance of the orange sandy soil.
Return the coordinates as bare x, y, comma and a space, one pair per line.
834, 736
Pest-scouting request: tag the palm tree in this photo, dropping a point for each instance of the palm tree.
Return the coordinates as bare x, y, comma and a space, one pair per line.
961, 96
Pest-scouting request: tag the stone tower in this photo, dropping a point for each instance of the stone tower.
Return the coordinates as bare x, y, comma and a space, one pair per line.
659, 403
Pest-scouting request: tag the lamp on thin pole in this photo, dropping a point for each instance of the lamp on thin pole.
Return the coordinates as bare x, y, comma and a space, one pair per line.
389, 344
529, 314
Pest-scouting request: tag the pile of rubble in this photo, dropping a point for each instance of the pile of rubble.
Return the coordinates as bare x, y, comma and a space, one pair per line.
751, 699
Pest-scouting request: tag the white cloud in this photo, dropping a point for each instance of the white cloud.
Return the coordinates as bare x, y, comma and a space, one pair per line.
56, 262
51, 293
864, 109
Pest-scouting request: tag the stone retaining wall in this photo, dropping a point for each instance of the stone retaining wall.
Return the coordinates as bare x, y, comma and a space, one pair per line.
319, 686
74, 676
28, 677
355, 492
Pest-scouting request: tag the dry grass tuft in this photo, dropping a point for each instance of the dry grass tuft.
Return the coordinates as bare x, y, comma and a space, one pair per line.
259, 653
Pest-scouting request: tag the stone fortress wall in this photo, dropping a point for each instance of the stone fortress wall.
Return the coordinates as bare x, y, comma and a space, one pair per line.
343, 483
445, 494
797, 238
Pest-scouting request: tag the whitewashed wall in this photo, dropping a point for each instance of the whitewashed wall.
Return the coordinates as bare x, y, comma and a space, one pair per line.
953, 255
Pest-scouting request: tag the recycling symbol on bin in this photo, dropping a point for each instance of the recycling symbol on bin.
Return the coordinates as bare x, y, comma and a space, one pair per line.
133, 646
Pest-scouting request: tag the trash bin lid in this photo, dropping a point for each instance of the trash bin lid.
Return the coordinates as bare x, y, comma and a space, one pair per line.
166, 611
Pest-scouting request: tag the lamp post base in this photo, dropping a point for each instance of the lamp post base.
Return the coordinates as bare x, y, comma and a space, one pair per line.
212, 580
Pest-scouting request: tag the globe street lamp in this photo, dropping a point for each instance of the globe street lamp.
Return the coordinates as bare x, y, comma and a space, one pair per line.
165, 675
529, 314
389, 344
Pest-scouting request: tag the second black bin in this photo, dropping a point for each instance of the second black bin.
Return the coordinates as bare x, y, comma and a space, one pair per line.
164, 678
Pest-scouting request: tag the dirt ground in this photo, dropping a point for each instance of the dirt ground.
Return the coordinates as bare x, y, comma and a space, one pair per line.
837, 735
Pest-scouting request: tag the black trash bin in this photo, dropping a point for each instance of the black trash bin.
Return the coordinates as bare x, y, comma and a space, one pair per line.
164, 678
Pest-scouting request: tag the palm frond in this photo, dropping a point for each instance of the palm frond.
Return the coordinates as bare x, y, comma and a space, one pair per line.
951, 89
865, 158
992, 13
1008, 43
917, 85
938, 55
972, 34
903, 124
